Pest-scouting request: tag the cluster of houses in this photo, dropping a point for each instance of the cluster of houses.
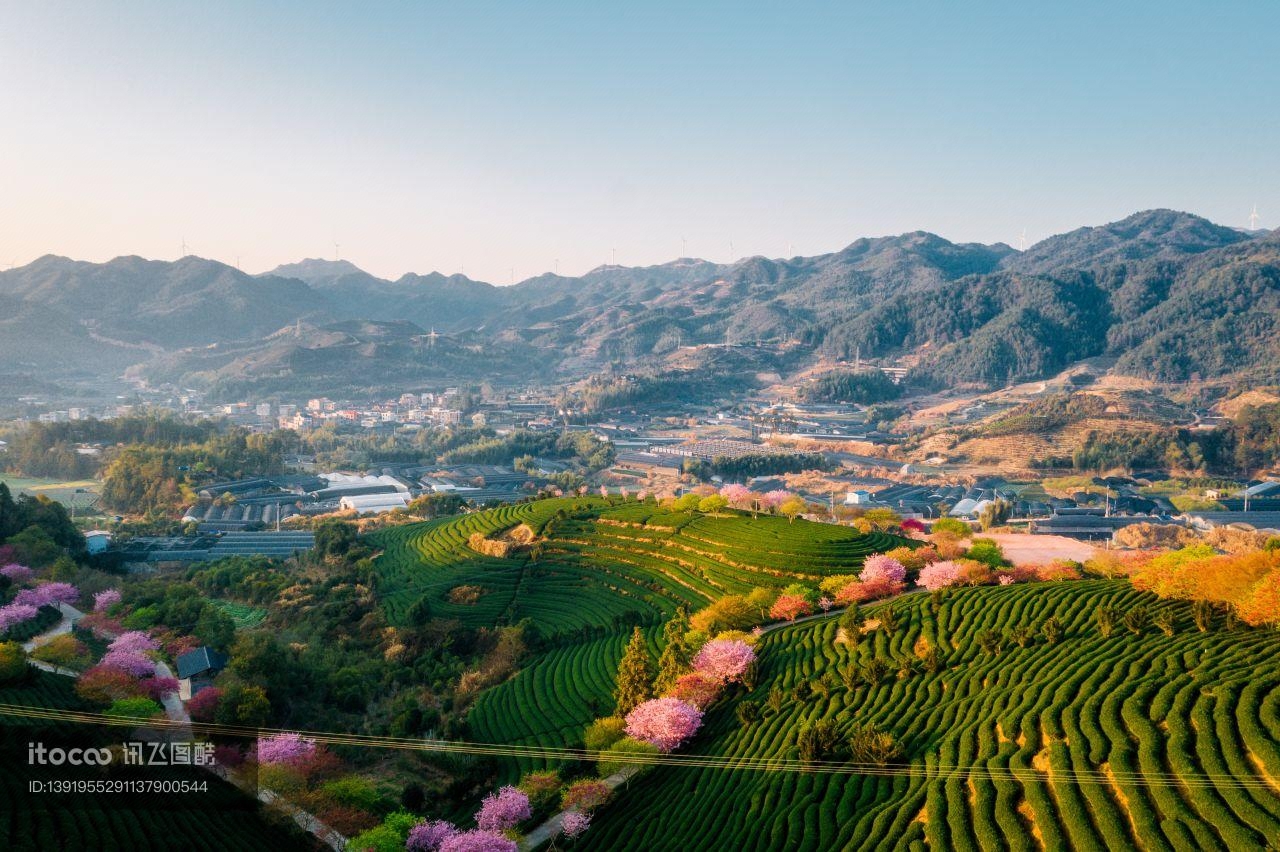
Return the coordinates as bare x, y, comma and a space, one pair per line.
263, 503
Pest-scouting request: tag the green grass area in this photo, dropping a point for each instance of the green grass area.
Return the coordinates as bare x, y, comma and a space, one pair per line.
221, 818
1137, 710
82, 494
244, 615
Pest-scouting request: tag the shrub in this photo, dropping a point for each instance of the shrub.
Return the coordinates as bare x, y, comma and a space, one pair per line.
616, 758
1052, 630
869, 744
817, 739
542, 788
603, 733
134, 708
585, 795
1137, 619
13, 663
1105, 617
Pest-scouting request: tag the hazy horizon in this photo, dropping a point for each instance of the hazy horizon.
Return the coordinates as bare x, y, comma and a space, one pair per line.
502, 141
395, 276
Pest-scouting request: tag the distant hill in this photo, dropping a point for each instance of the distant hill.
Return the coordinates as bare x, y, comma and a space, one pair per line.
1169, 295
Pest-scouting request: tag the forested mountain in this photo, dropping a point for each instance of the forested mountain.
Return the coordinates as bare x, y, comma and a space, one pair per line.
1172, 296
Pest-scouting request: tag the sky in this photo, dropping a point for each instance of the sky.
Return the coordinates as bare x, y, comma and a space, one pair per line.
505, 140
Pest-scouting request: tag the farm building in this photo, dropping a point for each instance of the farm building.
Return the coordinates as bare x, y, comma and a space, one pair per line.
372, 504
197, 669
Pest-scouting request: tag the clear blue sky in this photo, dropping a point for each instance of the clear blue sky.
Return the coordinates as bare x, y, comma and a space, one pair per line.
499, 136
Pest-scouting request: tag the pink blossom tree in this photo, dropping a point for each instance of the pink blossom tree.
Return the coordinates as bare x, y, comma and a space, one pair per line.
879, 568
697, 689
104, 600
664, 722
135, 641
132, 663
574, 824
825, 603
478, 840
855, 591
790, 607
285, 750
774, 499
940, 575
429, 836
503, 810
724, 660
16, 573
48, 594
739, 496
16, 613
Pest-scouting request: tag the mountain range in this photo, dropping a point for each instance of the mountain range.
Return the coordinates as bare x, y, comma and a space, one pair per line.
1169, 295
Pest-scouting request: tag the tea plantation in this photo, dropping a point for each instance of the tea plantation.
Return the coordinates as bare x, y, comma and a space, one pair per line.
1136, 741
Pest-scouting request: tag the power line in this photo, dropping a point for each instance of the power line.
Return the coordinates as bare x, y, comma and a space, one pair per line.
935, 772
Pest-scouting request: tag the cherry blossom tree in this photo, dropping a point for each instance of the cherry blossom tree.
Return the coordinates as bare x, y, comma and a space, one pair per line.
132, 663
825, 603
724, 660
574, 824
16, 613
134, 641
478, 840
285, 749
940, 575
697, 689
664, 722
104, 600
879, 568
790, 607
48, 594
739, 496
16, 573
429, 836
774, 499
503, 810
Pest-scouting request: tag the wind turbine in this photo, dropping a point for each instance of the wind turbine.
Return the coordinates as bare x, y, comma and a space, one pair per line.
1253, 219
432, 337
684, 247
1022, 240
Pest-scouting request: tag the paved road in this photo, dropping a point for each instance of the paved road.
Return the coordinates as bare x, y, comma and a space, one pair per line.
551, 827
70, 615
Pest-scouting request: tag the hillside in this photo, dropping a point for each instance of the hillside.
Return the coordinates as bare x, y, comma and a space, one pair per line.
1167, 295
1072, 745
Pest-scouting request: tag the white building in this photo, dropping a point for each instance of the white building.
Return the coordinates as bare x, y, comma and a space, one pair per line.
374, 504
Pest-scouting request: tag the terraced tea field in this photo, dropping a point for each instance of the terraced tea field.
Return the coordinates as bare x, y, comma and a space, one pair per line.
1131, 742
604, 565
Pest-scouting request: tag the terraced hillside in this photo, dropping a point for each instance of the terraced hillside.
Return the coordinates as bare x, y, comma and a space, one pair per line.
601, 565
1130, 742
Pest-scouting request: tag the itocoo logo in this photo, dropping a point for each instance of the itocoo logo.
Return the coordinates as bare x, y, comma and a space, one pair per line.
38, 755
